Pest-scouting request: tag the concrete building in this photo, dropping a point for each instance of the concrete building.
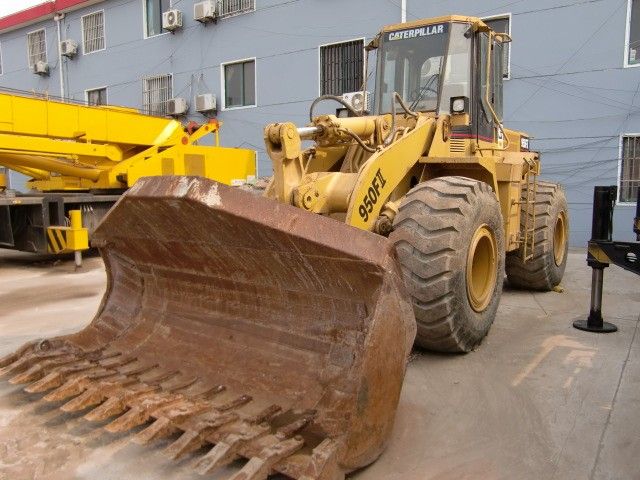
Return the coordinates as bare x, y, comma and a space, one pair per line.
571, 81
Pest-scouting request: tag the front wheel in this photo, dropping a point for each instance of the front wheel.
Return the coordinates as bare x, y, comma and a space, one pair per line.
449, 237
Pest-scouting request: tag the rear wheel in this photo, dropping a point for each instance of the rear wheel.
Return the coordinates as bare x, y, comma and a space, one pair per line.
449, 238
545, 269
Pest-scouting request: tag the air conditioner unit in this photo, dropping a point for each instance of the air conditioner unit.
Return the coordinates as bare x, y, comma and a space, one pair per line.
177, 106
172, 20
206, 11
357, 99
206, 103
41, 68
68, 48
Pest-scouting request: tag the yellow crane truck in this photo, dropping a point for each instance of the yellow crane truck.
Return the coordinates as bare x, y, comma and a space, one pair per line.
81, 158
275, 331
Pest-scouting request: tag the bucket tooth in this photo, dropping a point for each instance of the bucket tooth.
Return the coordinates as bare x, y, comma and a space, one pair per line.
266, 415
132, 418
181, 385
226, 450
259, 467
193, 439
111, 407
235, 403
161, 428
48, 382
57, 377
323, 462
117, 361
219, 456
188, 442
90, 397
139, 369
70, 388
294, 427
39, 370
166, 417
161, 377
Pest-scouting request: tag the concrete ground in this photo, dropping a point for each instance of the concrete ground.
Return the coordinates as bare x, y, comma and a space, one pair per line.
537, 400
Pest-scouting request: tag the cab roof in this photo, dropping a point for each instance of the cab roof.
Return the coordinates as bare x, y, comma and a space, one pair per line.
475, 21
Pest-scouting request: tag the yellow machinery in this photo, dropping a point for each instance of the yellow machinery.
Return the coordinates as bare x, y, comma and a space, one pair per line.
275, 331
436, 171
82, 158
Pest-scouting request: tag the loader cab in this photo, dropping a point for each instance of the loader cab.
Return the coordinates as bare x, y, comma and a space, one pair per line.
448, 66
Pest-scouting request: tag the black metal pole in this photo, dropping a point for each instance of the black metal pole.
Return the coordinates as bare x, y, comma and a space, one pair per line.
601, 227
636, 221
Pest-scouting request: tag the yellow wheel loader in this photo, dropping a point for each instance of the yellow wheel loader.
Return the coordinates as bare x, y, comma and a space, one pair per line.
275, 331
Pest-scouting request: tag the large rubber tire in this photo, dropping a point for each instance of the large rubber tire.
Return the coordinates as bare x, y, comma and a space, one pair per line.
546, 268
433, 233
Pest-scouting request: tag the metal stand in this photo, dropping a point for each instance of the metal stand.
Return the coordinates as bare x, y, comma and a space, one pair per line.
595, 323
601, 227
77, 256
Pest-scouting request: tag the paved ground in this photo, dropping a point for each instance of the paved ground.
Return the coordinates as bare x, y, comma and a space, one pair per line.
537, 400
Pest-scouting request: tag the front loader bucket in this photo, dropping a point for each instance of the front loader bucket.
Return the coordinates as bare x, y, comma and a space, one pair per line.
263, 332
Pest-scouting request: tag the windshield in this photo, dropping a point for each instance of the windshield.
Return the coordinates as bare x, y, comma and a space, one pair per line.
411, 63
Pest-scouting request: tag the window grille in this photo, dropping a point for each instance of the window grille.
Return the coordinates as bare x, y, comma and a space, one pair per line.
228, 8
37, 46
93, 32
156, 92
341, 67
629, 180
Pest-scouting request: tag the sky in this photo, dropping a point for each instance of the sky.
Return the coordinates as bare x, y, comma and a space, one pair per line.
7, 7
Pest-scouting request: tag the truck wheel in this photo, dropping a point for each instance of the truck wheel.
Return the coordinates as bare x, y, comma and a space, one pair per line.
545, 269
449, 238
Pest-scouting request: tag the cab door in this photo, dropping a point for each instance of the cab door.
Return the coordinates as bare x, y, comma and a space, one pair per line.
488, 88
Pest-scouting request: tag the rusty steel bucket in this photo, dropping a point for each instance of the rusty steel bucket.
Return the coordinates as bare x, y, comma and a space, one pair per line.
269, 334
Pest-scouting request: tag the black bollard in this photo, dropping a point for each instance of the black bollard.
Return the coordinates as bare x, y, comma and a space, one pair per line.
602, 224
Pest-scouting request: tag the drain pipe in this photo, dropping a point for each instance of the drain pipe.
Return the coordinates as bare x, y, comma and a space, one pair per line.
58, 17
403, 11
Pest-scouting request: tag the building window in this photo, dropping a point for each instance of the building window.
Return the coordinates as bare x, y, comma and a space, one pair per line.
502, 24
228, 8
156, 92
93, 32
37, 46
153, 10
0, 59
633, 33
240, 84
629, 180
341, 67
97, 96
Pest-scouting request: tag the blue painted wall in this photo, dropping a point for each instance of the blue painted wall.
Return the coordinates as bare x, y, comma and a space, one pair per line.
568, 87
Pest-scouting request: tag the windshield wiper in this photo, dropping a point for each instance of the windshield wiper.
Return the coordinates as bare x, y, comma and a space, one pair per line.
425, 88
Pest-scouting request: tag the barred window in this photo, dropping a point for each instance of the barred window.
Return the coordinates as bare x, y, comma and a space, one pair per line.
97, 96
93, 32
629, 180
156, 92
341, 67
633, 47
240, 84
502, 25
228, 8
37, 47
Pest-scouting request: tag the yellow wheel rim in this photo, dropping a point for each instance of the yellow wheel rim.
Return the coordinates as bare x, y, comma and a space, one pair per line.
481, 268
560, 238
